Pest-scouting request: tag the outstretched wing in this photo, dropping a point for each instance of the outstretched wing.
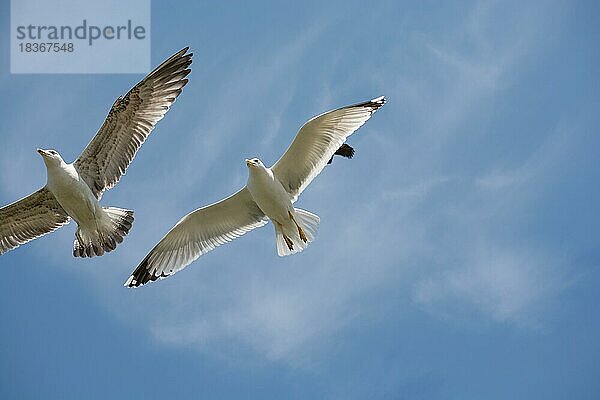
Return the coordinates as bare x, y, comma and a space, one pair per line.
130, 121
29, 218
345, 151
317, 141
198, 233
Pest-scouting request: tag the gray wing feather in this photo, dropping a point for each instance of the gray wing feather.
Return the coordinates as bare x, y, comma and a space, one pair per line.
317, 141
198, 233
29, 218
130, 121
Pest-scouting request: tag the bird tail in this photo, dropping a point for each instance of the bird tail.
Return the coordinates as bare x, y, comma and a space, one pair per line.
112, 227
309, 223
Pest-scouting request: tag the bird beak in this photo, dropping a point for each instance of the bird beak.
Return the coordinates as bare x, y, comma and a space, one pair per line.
42, 152
248, 162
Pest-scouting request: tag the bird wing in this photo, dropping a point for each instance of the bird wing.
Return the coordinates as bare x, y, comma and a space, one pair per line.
317, 141
130, 121
29, 218
345, 150
198, 233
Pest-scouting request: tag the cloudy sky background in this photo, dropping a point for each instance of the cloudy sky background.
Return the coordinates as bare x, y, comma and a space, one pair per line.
458, 251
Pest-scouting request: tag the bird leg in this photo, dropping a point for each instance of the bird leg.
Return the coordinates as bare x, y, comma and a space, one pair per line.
300, 230
288, 241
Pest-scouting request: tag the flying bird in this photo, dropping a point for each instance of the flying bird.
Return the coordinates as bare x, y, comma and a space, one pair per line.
74, 190
268, 195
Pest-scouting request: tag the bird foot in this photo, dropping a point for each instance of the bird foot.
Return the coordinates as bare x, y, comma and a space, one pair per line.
302, 234
300, 230
289, 242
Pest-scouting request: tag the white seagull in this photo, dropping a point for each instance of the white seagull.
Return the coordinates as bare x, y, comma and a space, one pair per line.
268, 195
74, 190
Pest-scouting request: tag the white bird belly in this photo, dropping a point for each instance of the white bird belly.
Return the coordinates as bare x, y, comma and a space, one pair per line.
74, 196
270, 196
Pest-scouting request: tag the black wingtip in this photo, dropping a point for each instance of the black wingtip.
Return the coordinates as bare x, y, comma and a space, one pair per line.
377, 103
373, 105
141, 275
345, 150
379, 100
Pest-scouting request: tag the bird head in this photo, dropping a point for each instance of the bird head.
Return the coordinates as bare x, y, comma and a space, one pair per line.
254, 163
51, 157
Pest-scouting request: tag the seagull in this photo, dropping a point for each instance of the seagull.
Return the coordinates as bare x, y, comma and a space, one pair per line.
74, 190
268, 195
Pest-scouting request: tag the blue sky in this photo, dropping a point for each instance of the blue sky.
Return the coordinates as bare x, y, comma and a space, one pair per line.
458, 253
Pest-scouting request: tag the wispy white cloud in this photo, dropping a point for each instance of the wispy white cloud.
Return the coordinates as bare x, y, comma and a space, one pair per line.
499, 282
233, 112
505, 280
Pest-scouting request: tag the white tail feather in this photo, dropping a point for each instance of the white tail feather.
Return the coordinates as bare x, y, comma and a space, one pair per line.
112, 227
282, 247
309, 223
